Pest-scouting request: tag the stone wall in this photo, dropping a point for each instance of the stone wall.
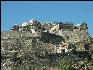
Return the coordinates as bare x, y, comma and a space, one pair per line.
37, 49
75, 35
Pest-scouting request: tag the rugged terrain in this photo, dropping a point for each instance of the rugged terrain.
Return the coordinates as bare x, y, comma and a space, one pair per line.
47, 46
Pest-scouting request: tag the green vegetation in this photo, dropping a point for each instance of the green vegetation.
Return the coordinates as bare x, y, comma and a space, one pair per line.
65, 63
42, 28
27, 28
84, 60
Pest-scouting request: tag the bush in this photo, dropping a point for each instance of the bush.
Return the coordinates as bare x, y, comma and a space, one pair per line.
65, 63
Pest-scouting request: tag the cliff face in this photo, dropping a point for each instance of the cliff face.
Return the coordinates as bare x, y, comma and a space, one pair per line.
36, 47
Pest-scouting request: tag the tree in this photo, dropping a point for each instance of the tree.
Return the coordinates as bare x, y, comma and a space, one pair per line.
27, 28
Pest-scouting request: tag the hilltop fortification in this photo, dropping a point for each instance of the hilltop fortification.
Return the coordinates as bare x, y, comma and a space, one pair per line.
38, 40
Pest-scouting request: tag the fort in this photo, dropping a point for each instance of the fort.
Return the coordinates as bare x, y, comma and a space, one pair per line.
42, 38
57, 31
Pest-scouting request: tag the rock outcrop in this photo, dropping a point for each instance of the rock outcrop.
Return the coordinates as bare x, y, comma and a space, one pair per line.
37, 45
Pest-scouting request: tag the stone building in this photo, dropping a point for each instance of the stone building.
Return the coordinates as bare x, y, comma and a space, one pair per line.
15, 28
24, 24
54, 29
59, 32
62, 48
34, 43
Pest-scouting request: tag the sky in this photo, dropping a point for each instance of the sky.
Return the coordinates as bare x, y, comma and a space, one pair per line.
17, 12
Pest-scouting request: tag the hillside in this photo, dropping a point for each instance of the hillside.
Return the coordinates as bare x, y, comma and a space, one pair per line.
45, 46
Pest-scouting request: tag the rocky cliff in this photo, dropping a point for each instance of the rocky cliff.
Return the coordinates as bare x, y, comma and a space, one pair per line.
37, 46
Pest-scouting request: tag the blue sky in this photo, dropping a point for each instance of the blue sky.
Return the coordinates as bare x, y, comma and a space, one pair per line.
17, 12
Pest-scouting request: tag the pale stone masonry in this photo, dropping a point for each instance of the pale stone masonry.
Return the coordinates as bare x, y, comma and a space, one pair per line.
43, 38
57, 33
